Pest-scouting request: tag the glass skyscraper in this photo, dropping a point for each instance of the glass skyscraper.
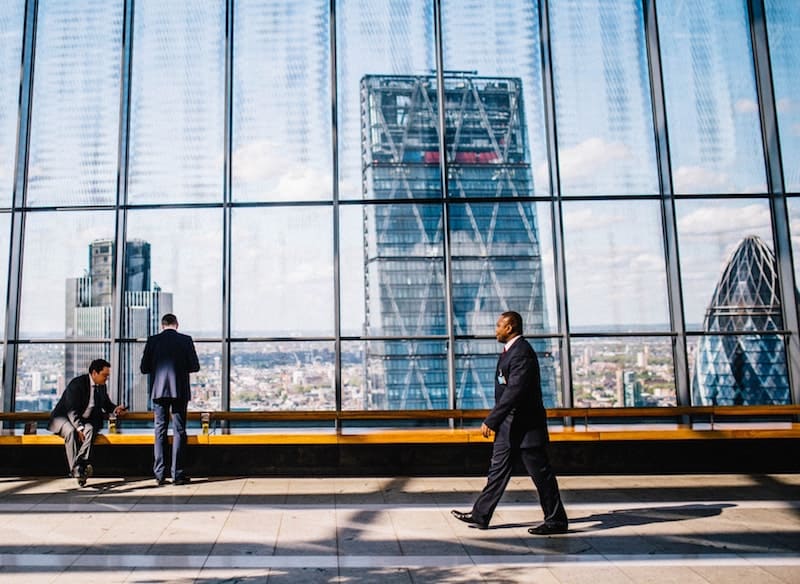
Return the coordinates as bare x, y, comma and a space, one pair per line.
743, 369
497, 264
89, 308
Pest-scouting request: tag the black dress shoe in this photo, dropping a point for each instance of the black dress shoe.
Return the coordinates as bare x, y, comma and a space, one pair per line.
470, 518
80, 474
161, 482
549, 529
182, 481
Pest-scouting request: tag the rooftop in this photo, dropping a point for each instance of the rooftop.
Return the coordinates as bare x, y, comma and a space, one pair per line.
676, 528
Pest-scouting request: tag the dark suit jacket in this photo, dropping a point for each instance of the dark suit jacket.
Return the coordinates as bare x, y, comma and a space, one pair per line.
169, 357
519, 411
73, 402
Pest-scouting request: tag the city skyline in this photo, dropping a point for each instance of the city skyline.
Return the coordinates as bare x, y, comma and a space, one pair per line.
647, 169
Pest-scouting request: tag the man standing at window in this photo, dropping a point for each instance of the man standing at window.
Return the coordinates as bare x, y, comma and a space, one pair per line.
78, 417
519, 422
169, 357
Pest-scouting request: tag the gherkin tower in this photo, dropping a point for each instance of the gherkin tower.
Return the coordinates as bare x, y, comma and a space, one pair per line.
748, 368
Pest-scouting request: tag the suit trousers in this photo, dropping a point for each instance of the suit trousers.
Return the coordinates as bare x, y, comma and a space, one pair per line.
79, 454
161, 410
538, 467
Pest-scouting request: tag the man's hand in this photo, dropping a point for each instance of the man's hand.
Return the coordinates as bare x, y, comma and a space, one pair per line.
120, 410
81, 436
486, 430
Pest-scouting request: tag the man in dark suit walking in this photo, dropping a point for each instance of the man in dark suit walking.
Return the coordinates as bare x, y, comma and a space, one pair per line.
78, 417
169, 357
519, 423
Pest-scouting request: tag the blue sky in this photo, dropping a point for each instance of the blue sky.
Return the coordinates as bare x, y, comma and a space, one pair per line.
282, 144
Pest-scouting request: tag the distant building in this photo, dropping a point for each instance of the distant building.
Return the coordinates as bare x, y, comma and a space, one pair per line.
632, 390
495, 251
88, 314
748, 368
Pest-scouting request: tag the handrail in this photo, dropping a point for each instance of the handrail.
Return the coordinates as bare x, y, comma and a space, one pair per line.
455, 414
684, 429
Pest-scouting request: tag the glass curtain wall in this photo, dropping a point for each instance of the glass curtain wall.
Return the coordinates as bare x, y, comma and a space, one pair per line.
338, 199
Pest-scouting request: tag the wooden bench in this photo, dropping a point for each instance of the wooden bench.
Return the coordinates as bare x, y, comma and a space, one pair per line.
635, 424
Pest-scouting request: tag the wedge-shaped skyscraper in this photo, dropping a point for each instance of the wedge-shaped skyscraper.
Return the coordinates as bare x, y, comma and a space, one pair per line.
495, 252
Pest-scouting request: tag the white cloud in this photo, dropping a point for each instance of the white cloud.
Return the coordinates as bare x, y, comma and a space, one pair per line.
318, 273
541, 177
581, 219
266, 170
647, 262
746, 106
712, 220
784, 105
693, 179
589, 157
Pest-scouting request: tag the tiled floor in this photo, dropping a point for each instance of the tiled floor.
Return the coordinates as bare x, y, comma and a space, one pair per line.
682, 529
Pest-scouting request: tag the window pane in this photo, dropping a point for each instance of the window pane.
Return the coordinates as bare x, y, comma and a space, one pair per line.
205, 384
476, 365
282, 263
739, 370
794, 227
394, 375
623, 372
603, 108
11, 27
5, 228
712, 106
282, 112
76, 89
282, 376
182, 251
383, 39
728, 268
44, 370
616, 278
67, 270
783, 26
502, 261
496, 39
134, 390
177, 101
392, 270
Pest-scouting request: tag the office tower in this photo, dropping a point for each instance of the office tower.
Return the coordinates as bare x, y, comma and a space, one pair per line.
748, 368
632, 390
89, 301
495, 253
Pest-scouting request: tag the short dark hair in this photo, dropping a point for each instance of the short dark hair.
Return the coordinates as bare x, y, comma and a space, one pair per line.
169, 319
515, 320
98, 365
